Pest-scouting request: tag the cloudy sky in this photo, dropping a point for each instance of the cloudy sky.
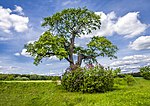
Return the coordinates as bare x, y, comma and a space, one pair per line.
126, 23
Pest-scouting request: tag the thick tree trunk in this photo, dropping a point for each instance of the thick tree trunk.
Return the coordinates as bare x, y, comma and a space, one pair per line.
77, 64
79, 61
72, 39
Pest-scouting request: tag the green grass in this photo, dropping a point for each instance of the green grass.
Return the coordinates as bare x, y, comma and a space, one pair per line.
50, 94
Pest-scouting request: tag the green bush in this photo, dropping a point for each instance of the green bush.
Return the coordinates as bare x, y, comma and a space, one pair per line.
119, 81
90, 80
97, 79
72, 80
116, 72
24, 78
9, 77
3, 77
33, 77
146, 75
129, 79
21, 78
145, 72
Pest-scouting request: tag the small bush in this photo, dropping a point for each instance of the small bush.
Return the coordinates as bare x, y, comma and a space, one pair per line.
116, 72
90, 80
21, 78
3, 76
24, 78
129, 79
145, 72
119, 81
34, 77
9, 77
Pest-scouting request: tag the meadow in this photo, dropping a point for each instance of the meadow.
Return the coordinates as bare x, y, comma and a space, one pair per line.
50, 94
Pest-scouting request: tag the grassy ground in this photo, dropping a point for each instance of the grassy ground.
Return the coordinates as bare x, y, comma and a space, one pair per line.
50, 94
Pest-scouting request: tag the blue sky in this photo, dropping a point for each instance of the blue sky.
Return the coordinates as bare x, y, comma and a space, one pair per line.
126, 23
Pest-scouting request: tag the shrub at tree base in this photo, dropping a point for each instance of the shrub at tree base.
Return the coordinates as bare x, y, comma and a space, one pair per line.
73, 80
88, 80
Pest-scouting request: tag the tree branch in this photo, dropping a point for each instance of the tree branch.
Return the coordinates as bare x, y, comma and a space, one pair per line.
68, 60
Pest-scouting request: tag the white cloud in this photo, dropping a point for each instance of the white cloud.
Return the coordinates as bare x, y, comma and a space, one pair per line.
53, 58
123, 62
130, 66
4, 39
107, 25
25, 53
9, 21
17, 54
107, 21
69, 2
8, 68
49, 64
148, 64
19, 10
128, 25
32, 41
131, 62
141, 43
19, 23
134, 57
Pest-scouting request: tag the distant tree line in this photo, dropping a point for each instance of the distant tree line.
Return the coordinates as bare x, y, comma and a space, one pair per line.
144, 72
136, 74
9, 77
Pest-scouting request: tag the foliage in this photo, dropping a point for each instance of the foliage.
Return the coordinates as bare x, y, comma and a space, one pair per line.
63, 29
48, 94
72, 80
123, 81
145, 72
21, 78
116, 72
129, 79
90, 80
7, 77
34, 77
119, 81
10, 77
97, 80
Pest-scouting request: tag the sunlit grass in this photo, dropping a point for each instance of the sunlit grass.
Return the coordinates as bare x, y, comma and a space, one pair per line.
50, 94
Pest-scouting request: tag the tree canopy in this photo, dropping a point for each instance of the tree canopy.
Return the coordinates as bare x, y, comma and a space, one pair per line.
62, 30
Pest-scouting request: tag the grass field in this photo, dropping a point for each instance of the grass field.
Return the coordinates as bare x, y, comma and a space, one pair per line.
51, 94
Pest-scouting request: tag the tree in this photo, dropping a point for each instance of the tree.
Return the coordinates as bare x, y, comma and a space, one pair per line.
59, 40
145, 72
